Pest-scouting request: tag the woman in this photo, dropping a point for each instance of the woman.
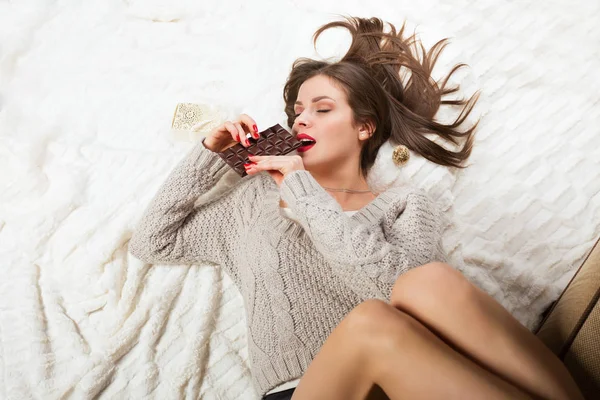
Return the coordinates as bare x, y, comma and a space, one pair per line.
308, 243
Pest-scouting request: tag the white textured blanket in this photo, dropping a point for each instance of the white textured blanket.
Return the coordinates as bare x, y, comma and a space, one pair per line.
87, 92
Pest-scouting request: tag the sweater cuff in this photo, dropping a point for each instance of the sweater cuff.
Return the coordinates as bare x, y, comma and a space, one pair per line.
298, 184
208, 162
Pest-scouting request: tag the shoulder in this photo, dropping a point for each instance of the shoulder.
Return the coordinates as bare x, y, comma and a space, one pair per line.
411, 201
408, 193
404, 189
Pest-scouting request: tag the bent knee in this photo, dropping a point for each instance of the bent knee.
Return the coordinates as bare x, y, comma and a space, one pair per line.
428, 275
372, 317
368, 313
438, 273
433, 280
375, 325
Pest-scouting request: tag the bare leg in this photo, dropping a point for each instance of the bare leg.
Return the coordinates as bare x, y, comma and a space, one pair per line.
473, 323
378, 344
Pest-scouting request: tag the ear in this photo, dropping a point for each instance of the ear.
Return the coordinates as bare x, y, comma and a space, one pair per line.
366, 130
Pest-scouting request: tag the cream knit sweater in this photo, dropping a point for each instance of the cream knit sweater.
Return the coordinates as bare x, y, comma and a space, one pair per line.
298, 280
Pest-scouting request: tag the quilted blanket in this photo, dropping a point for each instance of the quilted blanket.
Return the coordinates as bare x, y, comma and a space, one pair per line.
87, 93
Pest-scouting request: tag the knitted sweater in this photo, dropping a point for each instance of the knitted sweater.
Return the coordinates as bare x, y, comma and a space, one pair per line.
298, 278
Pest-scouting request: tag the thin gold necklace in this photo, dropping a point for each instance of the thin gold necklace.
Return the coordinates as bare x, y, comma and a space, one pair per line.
347, 190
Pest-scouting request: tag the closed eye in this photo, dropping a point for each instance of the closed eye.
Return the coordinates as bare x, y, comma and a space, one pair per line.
321, 111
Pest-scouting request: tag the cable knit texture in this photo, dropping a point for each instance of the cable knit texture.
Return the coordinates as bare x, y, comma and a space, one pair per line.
298, 278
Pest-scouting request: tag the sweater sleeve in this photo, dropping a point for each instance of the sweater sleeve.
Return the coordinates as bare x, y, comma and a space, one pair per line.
173, 230
368, 257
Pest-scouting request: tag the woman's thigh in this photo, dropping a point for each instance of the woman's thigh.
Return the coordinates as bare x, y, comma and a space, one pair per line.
376, 344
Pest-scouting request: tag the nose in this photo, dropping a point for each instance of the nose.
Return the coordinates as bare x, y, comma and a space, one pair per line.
302, 120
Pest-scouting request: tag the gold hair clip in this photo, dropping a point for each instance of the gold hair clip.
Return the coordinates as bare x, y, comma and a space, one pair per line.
400, 155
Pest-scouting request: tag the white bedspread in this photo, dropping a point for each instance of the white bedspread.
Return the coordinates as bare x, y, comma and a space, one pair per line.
87, 92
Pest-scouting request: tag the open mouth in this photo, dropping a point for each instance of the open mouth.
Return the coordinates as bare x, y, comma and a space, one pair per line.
307, 144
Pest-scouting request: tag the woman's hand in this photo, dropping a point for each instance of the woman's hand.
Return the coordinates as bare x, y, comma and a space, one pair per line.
230, 133
277, 166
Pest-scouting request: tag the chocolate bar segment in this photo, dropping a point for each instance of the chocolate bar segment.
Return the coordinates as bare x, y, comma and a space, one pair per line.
275, 141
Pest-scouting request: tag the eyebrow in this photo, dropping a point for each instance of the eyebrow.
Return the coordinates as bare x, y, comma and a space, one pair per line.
316, 99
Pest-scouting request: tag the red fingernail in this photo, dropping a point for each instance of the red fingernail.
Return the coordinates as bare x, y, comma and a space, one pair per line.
255, 128
247, 165
237, 137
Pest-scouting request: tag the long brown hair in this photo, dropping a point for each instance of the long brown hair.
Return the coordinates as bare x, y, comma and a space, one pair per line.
370, 74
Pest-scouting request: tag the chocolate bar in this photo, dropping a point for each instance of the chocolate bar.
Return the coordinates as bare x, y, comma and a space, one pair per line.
275, 141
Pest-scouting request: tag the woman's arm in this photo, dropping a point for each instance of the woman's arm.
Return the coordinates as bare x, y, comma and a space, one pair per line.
368, 257
173, 231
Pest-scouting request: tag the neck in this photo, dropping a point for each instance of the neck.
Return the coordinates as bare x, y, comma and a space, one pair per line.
340, 178
348, 201
340, 181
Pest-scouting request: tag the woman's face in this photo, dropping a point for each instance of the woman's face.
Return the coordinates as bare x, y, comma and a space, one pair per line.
322, 112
